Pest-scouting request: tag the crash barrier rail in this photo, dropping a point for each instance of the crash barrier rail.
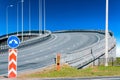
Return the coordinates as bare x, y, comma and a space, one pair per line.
28, 42
85, 56
93, 31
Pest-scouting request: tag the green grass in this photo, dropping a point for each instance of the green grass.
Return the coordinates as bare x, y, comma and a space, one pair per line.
117, 61
68, 71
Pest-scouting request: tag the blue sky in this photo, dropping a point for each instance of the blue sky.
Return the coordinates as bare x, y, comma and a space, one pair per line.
64, 15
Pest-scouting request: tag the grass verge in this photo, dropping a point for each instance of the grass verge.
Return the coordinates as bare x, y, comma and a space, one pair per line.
67, 71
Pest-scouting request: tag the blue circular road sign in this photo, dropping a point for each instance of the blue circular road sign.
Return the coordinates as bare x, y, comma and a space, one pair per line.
13, 41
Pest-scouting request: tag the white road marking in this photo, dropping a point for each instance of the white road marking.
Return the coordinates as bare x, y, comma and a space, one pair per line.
67, 39
54, 45
27, 61
68, 48
37, 59
46, 56
41, 44
62, 51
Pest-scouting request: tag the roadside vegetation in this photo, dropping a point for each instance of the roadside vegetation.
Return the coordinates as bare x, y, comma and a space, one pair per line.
67, 71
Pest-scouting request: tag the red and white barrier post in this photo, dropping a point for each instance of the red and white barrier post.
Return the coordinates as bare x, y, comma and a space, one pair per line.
12, 63
13, 42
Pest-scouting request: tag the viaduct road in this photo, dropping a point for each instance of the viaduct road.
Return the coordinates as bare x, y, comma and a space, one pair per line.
43, 53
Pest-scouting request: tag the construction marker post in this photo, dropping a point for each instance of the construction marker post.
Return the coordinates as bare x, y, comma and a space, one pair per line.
12, 65
58, 62
13, 42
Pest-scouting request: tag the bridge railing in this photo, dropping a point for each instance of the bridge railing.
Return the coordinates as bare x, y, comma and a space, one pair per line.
85, 56
28, 42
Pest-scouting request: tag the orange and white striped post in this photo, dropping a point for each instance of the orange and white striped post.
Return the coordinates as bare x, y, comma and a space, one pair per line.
58, 62
12, 63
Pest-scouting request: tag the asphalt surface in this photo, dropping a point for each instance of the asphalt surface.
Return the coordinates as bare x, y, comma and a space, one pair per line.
43, 53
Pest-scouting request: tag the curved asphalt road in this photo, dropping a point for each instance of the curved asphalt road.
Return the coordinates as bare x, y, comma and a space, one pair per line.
43, 53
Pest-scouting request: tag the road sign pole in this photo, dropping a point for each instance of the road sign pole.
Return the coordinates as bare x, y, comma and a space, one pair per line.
12, 66
13, 42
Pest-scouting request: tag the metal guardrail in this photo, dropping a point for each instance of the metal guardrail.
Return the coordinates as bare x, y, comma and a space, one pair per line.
30, 41
91, 53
